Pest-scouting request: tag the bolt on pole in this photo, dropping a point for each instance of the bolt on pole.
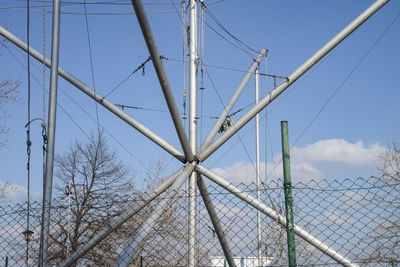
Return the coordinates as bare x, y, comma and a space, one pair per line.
287, 185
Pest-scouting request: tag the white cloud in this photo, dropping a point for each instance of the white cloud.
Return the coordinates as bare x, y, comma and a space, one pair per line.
11, 192
306, 163
339, 151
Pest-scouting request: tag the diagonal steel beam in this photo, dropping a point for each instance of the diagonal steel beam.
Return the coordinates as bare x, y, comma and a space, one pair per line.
364, 16
228, 108
119, 221
97, 97
299, 231
215, 221
162, 77
148, 226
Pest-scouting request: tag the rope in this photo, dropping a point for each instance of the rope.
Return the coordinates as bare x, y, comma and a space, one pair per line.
84, 111
44, 57
141, 66
202, 18
244, 47
184, 40
28, 135
91, 64
346, 78
44, 131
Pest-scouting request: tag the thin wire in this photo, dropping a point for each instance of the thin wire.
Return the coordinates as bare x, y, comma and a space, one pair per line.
202, 16
233, 69
89, 14
238, 41
44, 130
215, 88
87, 113
44, 65
184, 40
234, 45
118, 2
28, 141
346, 79
128, 2
205, 69
220, 98
218, 92
141, 66
122, 106
91, 65
342, 84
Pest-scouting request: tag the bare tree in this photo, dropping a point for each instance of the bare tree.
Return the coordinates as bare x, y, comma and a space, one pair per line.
6, 189
385, 240
390, 160
8, 94
93, 187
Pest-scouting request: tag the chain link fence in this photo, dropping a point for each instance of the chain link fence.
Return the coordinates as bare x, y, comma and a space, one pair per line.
359, 218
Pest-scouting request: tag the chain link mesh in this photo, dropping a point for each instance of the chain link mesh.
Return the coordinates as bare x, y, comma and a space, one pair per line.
359, 218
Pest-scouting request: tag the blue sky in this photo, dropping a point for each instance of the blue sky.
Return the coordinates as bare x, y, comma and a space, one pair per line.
343, 141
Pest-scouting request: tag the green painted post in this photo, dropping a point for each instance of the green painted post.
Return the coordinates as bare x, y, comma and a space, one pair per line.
7, 261
141, 261
287, 185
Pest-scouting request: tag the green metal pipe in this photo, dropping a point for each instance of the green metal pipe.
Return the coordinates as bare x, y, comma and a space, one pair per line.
287, 185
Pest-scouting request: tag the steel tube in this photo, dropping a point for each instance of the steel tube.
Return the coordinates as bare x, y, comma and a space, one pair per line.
162, 77
299, 231
228, 108
148, 226
292, 78
51, 131
258, 179
215, 221
119, 221
193, 74
287, 186
97, 97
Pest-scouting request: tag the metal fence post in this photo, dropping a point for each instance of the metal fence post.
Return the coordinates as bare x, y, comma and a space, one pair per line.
287, 184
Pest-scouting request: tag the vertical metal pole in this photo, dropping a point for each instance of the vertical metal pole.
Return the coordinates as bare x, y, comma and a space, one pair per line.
193, 56
259, 237
44, 235
287, 184
266, 152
